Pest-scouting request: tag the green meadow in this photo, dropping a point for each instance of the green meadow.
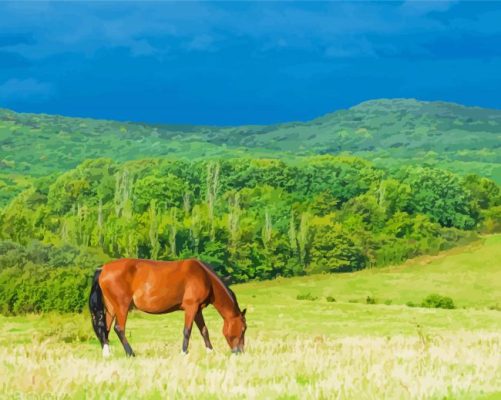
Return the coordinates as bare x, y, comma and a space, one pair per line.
347, 336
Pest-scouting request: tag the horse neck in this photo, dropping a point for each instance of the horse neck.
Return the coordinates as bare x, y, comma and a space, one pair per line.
223, 301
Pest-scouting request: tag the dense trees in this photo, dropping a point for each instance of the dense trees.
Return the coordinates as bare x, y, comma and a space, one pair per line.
441, 195
250, 218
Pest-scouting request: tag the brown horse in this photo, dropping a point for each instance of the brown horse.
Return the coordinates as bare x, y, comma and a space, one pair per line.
159, 287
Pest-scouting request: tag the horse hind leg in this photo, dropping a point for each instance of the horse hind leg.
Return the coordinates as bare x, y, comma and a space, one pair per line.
109, 320
121, 319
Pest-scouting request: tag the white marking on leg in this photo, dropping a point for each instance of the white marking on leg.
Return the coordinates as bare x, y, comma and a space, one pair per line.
208, 350
106, 351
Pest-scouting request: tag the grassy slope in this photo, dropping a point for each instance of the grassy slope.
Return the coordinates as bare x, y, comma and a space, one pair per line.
295, 349
471, 275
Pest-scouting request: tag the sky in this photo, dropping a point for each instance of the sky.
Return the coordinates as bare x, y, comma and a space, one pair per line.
234, 63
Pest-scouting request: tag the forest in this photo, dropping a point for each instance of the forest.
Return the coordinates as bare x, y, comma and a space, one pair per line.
251, 218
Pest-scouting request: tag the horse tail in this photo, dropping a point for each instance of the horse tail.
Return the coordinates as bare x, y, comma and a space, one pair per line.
96, 307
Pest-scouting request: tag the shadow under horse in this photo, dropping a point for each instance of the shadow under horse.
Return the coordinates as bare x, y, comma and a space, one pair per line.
159, 287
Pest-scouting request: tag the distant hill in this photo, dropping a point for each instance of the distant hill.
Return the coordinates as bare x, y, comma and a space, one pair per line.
390, 132
376, 125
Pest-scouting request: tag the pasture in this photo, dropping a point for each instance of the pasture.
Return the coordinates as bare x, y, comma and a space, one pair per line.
367, 344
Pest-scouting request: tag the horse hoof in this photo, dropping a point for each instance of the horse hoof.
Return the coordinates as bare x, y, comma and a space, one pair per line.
208, 350
106, 351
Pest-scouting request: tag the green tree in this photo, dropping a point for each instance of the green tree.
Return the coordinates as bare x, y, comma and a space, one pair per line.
440, 195
333, 250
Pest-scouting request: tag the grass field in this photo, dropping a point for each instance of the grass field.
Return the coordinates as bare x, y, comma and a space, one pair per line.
296, 349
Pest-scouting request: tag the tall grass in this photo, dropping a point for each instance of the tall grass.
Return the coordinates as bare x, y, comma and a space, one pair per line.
317, 367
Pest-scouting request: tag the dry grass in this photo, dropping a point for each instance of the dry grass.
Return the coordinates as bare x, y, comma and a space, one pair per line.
420, 366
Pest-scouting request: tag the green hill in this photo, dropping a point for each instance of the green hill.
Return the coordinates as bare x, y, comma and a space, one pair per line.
388, 131
377, 125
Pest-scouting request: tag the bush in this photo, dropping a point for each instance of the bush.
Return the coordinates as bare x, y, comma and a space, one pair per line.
438, 301
330, 299
75, 330
36, 288
306, 296
370, 300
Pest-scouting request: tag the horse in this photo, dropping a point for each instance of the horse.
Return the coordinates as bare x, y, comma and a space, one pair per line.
159, 287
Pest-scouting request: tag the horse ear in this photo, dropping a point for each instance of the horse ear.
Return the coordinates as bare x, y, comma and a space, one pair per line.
244, 311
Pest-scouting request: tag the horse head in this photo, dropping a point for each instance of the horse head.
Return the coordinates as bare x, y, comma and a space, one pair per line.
234, 331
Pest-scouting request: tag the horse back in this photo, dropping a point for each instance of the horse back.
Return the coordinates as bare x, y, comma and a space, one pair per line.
156, 286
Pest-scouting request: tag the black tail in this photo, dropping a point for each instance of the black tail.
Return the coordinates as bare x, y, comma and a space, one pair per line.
96, 307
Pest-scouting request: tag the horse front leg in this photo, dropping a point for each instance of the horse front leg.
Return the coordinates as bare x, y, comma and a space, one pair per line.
199, 319
189, 316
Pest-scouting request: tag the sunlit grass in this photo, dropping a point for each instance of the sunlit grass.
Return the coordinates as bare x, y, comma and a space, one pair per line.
422, 354
306, 348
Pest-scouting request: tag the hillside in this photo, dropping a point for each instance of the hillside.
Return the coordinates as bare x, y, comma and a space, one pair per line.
465, 139
377, 125
470, 275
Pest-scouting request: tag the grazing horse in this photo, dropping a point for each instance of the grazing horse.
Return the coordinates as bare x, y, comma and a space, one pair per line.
159, 287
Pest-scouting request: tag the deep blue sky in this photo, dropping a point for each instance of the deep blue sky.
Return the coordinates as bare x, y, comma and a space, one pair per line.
239, 63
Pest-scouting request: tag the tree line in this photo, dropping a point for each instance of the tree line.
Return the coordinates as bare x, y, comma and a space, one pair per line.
249, 218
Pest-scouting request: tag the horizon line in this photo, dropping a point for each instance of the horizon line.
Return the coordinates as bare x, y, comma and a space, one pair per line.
185, 124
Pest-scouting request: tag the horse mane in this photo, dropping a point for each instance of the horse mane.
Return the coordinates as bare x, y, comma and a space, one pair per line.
210, 269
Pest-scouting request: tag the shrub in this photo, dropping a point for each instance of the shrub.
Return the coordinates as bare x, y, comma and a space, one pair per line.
330, 299
72, 331
438, 301
36, 288
306, 296
370, 300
